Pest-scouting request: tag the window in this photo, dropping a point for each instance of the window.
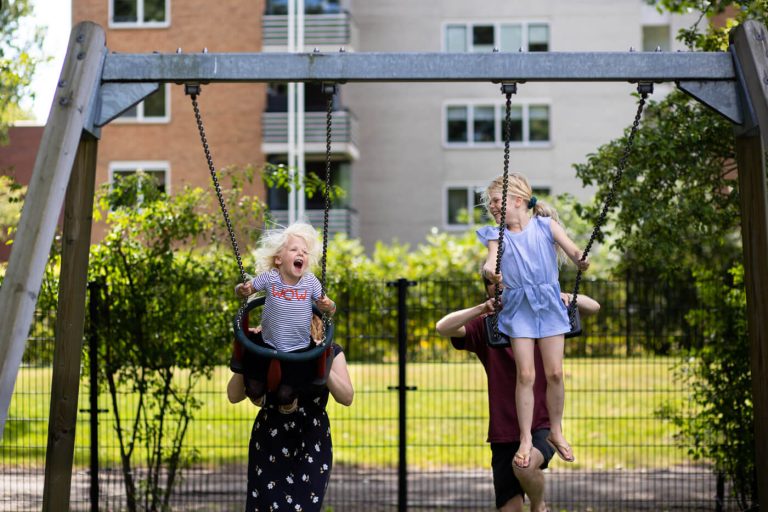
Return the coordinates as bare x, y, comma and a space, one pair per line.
139, 13
140, 181
481, 125
656, 36
464, 206
280, 7
484, 37
315, 99
154, 109
277, 197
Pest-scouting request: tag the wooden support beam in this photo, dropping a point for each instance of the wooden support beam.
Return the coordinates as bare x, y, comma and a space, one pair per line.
71, 110
70, 317
751, 48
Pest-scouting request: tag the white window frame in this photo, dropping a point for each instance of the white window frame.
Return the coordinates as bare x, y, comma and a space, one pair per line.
139, 17
471, 187
142, 119
524, 24
499, 106
119, 166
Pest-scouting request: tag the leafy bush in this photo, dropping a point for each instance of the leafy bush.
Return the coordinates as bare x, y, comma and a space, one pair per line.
719, 379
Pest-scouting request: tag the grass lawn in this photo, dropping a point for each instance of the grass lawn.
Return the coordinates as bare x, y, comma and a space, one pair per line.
609, 417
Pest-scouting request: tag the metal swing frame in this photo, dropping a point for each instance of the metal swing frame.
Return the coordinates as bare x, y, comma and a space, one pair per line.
96, 86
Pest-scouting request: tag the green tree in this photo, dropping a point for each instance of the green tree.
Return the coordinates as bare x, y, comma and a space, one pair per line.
161, 324
678, 219
18, 58
11, 199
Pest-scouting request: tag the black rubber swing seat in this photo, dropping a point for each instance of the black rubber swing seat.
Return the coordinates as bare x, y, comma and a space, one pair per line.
321, 355
495, 339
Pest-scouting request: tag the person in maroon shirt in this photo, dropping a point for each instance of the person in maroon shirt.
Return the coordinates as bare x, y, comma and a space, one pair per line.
510, 482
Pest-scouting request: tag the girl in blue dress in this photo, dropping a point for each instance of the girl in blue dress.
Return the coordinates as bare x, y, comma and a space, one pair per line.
532, 310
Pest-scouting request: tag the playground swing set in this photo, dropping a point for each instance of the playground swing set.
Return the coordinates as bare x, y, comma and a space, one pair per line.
96, 86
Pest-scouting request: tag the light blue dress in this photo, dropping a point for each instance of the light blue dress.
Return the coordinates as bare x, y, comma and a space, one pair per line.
531, 304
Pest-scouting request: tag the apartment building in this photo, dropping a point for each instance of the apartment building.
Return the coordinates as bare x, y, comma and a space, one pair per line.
159, 136
412, 156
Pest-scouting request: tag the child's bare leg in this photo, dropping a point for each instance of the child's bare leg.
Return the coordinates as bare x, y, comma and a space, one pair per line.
522, 349
552, 356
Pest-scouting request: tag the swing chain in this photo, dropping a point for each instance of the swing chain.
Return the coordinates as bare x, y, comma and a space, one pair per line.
193, 90
330, 91
644, 89
508, 90
217, 186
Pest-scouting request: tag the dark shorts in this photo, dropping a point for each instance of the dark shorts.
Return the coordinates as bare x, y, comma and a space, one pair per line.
505, 484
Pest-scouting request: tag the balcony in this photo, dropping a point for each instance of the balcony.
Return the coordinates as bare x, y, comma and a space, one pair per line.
340, 220
327, 32
344, 133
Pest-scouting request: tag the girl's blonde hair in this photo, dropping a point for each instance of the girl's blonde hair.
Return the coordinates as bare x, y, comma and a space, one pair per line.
518, 186
273, 241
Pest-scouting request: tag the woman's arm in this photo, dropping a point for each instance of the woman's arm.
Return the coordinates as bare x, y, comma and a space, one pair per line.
586, 304
452, 324
236, 388
568, 246
339, 383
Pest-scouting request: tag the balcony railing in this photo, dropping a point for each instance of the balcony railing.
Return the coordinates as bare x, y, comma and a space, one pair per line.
344, 127
319, 30
340, 220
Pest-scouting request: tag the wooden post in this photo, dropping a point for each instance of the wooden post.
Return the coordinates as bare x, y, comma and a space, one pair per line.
751, 49
67, 355
70, 112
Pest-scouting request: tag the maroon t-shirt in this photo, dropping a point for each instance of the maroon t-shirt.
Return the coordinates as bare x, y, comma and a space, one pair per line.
501, 372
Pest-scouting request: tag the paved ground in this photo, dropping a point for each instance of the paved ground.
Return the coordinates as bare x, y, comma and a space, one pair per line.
357, 490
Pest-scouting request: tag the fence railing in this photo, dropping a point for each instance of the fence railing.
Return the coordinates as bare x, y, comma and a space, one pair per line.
618, 377
275, 128
319, 29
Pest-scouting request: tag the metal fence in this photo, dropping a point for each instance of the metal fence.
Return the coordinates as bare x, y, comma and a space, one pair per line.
618, 376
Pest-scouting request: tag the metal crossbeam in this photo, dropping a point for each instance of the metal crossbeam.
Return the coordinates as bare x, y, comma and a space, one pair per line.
420, 67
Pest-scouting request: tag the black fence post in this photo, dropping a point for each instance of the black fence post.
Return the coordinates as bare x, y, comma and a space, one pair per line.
402, 285
628, 312
93, 391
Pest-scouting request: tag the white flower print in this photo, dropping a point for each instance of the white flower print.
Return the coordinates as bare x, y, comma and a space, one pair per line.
310, 459
275, 506
298, 508
271, 484
259, 471
317, 447
289, 479
315, 499
285, 452
273, 432
305, 477
255, 494
272, 458
288, 498
258, 446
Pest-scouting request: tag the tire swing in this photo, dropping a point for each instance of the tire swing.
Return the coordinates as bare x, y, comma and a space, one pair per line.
493, 336
255, 352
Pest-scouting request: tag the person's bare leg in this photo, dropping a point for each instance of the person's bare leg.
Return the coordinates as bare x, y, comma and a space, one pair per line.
552, 356
526, 374
532, 480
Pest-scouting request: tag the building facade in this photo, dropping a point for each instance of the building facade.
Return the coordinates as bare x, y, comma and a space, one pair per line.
411, 156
